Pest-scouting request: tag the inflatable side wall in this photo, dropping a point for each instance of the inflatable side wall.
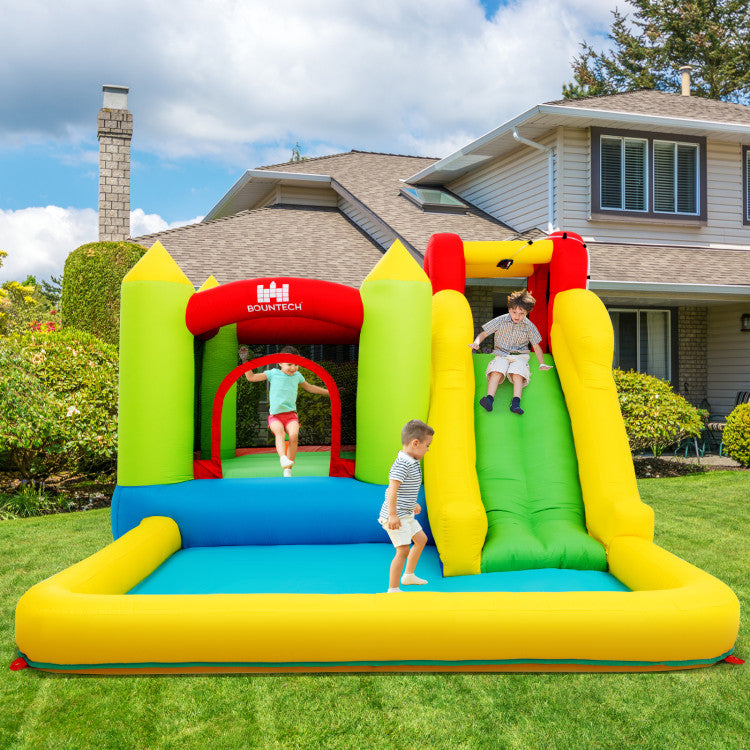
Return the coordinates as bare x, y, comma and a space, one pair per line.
394, 360
156, 404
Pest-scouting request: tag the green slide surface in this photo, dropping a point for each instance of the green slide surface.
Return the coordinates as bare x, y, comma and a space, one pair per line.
528, 478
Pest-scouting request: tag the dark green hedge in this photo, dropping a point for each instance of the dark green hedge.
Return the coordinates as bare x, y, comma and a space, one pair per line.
91, 287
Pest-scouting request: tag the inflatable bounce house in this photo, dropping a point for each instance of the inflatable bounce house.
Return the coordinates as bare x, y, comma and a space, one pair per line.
541, 555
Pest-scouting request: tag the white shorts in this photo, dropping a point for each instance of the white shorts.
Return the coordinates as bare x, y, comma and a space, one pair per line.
510, 364
409, 529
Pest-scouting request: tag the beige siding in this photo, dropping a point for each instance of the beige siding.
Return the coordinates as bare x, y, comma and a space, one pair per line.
512, 189
304, 196
724, 202
575, 187
728, 357
367, 222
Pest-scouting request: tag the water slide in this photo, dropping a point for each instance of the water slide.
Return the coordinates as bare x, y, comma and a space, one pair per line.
549, 489
528, 479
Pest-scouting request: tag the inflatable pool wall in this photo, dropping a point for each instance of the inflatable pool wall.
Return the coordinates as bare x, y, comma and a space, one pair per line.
224, 575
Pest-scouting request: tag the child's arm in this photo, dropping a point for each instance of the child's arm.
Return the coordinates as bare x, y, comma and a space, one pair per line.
394, 522
310, 388
255, 377
540, 356
481, 336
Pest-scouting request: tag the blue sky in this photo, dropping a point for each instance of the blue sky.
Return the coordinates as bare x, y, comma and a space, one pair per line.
217, 88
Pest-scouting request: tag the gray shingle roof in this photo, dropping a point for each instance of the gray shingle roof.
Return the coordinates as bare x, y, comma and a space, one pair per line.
322, 243
663, 104
668, 264
304, 241
375, 179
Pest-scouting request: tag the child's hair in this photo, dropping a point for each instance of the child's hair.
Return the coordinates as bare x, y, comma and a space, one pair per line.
416, 428
288, 350
521, 299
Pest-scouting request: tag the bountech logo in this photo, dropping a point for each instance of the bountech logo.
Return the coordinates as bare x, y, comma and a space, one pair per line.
273, 298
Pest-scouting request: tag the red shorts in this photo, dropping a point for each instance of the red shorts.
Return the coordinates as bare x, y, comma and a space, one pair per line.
285, 418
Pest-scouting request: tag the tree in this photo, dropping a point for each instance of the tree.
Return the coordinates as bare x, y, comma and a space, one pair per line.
713, 36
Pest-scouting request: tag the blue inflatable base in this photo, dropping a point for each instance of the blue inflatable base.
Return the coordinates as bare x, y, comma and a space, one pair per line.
261, 511
339, 569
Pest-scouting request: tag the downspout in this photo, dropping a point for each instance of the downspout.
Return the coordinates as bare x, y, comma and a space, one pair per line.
550, 177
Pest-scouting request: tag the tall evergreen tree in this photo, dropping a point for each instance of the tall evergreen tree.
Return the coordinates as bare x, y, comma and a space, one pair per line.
711, 35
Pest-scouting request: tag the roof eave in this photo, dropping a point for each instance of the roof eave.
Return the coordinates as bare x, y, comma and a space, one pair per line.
441, 172
227, 206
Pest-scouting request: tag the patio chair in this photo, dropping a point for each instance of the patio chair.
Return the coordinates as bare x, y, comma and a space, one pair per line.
717, 422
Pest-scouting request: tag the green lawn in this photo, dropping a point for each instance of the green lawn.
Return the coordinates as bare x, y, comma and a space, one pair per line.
703, 518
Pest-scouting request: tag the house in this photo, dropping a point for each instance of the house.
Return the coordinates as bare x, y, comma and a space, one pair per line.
657, 184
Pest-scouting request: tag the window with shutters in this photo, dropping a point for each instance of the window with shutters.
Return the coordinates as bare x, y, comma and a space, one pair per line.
642, 174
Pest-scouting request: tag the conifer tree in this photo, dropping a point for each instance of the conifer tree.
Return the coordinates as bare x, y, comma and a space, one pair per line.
713, 36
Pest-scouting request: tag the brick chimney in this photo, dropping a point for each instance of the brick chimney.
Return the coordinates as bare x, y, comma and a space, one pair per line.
114, 131
686, 70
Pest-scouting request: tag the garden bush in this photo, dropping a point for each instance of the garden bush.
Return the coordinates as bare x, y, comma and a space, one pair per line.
91, 286
58, 404
315, 411
736, 436
655, 416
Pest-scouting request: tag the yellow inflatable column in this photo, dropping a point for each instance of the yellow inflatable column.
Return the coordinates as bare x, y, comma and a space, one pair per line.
582, 343
454, 504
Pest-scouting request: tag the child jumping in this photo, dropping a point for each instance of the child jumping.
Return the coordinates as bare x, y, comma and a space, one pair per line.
282, 396
400, 505
514, 333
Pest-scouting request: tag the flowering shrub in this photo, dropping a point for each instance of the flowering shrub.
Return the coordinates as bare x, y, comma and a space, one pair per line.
655, 416
736, 435
58, 403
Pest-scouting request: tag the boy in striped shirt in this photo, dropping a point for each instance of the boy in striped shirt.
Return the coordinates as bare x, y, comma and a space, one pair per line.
400, 505
514, 333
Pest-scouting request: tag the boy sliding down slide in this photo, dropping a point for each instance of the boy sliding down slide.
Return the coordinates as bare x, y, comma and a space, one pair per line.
282, 395
514, 332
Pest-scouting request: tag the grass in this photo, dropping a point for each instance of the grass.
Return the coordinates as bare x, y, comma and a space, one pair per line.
703, 518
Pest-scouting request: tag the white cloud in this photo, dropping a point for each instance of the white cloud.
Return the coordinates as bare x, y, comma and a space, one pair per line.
38, 240
142, 223
211, 78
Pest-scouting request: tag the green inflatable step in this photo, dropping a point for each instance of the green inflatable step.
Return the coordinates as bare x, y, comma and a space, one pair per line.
528, 477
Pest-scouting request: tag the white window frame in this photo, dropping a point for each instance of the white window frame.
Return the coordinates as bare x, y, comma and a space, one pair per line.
598, 211
638, 311
623, 183
675, 145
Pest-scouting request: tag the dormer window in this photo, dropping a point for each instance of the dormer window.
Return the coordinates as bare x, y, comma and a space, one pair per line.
645, 175
434, 199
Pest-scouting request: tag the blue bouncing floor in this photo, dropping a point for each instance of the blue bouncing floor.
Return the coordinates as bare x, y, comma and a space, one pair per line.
339, 569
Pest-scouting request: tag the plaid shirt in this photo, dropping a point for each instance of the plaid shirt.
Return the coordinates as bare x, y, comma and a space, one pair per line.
510, 337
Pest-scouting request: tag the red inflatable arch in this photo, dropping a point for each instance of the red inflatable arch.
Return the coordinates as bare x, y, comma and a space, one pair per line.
279, 310
211, 468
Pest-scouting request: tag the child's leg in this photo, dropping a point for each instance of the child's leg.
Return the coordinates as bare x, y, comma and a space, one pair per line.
292, 429
493, 381
517, 384
515, 404
397, 565
419, 539
279, 435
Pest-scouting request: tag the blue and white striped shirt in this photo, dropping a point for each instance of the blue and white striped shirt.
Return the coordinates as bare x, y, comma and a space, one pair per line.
405, 469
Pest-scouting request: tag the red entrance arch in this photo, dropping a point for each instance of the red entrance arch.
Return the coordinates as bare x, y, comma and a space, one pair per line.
211, 468
273, 309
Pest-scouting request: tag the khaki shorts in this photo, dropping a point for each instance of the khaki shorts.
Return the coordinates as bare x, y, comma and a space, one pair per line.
510, 364
410, 527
